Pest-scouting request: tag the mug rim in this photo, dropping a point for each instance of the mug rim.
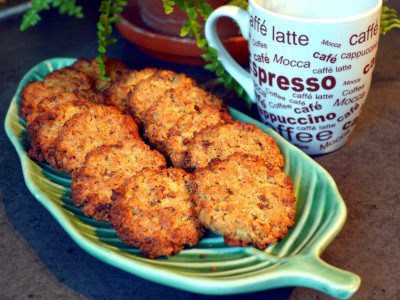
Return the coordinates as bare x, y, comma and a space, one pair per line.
324, 20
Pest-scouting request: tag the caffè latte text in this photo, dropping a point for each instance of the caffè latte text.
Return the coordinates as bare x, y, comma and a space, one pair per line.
288, 37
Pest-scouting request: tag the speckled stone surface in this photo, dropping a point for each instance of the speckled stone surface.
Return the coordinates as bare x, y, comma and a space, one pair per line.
39, 261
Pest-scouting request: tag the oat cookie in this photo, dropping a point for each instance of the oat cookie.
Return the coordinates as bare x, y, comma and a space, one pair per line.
44, 130
100, 125
148, 91
222, 140
117, 93
54, 83
154, 213
244, 199
105, 169
114, 69
180, 135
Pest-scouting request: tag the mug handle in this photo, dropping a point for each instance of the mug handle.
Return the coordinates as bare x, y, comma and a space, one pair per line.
241, 16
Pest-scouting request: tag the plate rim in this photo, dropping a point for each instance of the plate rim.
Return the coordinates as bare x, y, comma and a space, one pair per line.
200, 285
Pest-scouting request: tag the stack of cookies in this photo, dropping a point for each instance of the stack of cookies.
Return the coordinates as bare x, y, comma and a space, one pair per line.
158, 157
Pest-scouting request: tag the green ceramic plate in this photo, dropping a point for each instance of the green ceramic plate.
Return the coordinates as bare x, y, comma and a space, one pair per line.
211, 267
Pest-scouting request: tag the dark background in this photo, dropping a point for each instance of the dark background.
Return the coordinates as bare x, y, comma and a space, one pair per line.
38, 260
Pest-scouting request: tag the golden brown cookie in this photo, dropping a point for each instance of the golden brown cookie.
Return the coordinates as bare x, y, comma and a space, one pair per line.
105, 169
78, 97
99, 125
117, 93
163, 115
147, 92
32, 94
44, 129
180, 135
59, 81
244, 199
161, 118
68, 79
222, 140
153, 212
114, 68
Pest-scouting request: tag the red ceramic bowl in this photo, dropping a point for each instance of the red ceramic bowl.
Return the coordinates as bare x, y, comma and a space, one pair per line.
170, 48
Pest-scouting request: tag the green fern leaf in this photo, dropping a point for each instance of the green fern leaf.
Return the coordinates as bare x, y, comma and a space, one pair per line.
389, 19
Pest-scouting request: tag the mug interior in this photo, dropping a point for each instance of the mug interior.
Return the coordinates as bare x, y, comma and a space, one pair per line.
318, 9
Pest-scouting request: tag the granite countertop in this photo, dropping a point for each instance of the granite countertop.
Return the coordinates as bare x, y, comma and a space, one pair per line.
40, 261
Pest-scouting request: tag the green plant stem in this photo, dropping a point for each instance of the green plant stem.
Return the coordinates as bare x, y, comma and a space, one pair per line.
192, 27
108, 9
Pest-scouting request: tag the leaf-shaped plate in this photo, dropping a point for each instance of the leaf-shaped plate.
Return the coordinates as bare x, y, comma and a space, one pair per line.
211, 267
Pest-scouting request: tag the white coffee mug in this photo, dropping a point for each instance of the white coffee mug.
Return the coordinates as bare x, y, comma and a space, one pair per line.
311, 64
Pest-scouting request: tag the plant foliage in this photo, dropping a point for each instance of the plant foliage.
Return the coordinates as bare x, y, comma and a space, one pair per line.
109, 10
32, 17
108, 15
200, 10
389, 19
